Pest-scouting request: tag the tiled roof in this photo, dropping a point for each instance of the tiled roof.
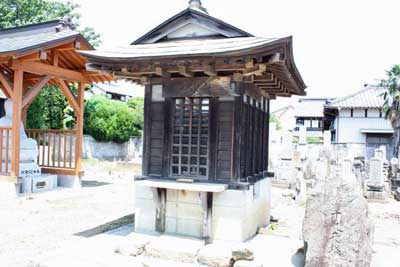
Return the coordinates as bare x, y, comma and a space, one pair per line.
20, 39
370, 97
182, 48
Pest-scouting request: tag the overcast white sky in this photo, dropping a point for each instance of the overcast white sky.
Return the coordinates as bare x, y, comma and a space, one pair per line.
338, 44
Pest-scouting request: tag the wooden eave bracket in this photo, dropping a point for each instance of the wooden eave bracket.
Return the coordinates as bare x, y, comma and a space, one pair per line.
258, 70
7, 85
34, 91
72, 100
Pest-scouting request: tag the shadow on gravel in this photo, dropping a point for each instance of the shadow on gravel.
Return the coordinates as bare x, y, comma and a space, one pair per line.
123, 221
93, 183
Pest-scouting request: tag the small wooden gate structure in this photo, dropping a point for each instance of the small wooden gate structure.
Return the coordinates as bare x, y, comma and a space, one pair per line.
31, 57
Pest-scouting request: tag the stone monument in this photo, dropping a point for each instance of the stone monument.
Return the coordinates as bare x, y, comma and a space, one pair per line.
327, 138
29, 170
375, 184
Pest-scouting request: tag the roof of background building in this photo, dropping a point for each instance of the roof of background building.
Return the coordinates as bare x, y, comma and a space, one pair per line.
25, 38
126, 89
282, 111
310, 108
369, 97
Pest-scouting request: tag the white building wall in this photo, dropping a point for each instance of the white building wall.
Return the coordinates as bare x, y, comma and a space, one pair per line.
348, 129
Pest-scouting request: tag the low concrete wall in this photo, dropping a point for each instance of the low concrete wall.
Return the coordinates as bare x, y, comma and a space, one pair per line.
131, 150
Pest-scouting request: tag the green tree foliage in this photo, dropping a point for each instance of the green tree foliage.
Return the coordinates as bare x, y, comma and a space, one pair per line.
22, 12
391, 105
273, 118
137, 106
48, 109
108, 120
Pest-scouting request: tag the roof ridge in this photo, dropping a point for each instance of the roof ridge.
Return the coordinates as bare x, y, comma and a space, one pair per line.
29, 26
183, 12
365, 95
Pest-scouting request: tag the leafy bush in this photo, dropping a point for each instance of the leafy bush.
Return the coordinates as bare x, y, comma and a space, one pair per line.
108, 120
137, 106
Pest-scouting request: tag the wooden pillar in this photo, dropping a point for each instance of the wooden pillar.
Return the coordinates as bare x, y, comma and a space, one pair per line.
147, 130
24, 115
79, 126
16, 123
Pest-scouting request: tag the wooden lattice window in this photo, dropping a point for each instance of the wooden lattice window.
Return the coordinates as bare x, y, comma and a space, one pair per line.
190, 136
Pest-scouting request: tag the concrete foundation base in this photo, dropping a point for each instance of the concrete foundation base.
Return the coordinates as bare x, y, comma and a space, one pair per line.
40, 183
236, 214
70, 181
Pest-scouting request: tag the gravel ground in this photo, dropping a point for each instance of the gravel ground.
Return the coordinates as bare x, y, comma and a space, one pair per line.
41, 223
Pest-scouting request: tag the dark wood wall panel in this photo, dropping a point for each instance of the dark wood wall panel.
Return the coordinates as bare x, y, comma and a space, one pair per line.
156, 138
224, 120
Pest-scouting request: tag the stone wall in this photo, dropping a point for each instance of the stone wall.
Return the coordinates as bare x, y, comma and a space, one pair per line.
131, 150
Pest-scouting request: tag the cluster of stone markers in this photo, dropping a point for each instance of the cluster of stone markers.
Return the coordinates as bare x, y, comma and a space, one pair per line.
298, 166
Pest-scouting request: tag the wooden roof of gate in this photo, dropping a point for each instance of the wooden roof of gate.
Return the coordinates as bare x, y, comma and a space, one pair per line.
49, 49
195, 44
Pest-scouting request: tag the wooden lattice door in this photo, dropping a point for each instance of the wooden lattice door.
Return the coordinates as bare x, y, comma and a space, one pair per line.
190, 137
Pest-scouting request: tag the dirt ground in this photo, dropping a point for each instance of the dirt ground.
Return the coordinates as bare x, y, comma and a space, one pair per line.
34, 226
40, 223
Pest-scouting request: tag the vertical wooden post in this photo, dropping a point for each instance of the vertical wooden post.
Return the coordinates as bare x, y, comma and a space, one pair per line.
79, 127
147, 130
267, 141
213, 137
16, 123
24, 115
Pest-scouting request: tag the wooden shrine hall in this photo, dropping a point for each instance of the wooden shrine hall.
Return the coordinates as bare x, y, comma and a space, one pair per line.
208, 87
31, 57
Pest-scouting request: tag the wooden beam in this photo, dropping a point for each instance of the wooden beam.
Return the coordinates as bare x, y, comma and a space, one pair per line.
40, 55
237, 77
56, 57
275, 58
183, 70
33, 92
7, 85
45, 69
70, 46
160, 72
256, 70
69, 95
249, 63
210, 70
16, 123
79, 126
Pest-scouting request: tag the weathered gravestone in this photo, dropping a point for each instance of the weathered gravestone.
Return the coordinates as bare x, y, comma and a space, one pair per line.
302, 135
337, 230
327, 138
375, 185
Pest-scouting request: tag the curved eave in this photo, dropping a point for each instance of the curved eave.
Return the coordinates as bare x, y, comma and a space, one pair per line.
239, 52
283, 45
